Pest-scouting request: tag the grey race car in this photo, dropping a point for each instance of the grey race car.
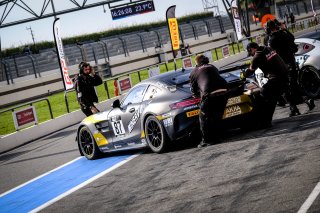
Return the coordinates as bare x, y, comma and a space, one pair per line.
153, 113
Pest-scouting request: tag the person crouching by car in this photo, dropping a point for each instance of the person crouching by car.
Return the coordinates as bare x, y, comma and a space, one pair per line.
276, 70
207, 84
84, 84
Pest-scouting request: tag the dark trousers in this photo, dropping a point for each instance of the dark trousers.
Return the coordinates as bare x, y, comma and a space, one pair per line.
293, 94
270, 93
211, 112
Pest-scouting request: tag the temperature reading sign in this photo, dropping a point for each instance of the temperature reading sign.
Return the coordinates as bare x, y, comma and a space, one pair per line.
134, 9
24, 117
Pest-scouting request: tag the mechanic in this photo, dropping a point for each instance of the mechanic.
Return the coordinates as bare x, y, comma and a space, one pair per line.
282, 41
207, 84
84, 84
276, 71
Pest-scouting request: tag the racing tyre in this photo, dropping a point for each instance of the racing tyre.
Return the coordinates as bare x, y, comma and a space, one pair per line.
156, 135
310, 81
87, 144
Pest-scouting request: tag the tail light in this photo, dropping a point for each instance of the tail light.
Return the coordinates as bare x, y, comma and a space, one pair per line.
185, 103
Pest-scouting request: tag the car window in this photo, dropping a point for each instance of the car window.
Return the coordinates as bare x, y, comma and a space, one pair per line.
134, 96
152, 92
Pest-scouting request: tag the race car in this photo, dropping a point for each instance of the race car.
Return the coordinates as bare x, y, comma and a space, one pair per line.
156, 112
308, 59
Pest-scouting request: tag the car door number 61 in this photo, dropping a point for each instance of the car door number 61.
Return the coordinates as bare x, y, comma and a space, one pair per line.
118, 128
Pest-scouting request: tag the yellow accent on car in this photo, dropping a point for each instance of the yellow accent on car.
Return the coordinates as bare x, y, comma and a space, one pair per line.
100, 139
193, 113
143, 135
159, 117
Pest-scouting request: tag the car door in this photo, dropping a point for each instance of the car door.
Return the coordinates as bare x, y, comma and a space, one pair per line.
124, 120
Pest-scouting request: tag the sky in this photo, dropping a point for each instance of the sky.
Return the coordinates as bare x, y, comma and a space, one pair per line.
86, 21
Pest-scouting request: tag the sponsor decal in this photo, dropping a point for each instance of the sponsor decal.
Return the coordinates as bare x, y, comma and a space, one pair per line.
168, 122
190, 107
133, 121
234, 100
59, 46
193, 113
174, 33
270, 55
225, 51
124, 84
187, 62
232, 111
24, 117
236, 19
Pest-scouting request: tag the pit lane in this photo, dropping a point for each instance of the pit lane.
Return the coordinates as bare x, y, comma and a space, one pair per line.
272, 170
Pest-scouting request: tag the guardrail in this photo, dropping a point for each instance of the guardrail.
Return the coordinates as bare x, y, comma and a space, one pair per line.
30, 103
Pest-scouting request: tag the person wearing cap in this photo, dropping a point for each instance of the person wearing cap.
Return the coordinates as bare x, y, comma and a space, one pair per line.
276, 71
282, 41
207, 84
84, 84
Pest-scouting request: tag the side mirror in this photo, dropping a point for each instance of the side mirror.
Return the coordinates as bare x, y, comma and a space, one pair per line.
116, 104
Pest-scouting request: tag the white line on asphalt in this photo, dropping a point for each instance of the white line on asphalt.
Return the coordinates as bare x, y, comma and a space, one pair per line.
310, 123
83, 184
11, 190
306, 205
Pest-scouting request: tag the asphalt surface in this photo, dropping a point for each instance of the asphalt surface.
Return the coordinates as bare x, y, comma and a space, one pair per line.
271, 170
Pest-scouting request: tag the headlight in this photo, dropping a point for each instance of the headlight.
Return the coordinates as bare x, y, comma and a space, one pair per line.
104, 126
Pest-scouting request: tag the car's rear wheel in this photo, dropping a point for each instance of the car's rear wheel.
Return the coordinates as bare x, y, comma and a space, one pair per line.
310, 81
87, 144
156, 135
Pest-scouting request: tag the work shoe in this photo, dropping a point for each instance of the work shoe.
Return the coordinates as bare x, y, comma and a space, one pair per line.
294, 111
310, 104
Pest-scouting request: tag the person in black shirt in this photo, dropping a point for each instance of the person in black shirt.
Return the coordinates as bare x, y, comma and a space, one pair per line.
84, 85
282, 41
207, 84
276, 71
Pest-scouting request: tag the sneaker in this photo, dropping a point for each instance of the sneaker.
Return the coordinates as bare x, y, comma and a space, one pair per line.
310, 104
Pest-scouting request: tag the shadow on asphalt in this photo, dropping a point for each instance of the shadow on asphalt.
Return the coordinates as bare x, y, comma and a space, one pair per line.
280, 126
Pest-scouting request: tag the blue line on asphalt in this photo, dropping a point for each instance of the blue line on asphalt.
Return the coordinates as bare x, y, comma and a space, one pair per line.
46, 188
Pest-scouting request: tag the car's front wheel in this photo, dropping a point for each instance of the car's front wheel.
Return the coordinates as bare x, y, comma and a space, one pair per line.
87, 144
156, 135
310, 81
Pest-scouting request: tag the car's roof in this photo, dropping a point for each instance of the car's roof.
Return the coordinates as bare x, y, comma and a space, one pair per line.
311, 35
172, 77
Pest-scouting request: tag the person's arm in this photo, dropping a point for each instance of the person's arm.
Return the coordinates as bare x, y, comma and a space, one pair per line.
95, 79
194, 86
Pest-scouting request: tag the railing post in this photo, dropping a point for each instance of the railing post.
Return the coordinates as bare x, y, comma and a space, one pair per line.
7, 71
142, 42
106, 47
222, 30
103, 51
66, 101
208, 28
106, 88
34, 67
124, 46
15, 65
94, 54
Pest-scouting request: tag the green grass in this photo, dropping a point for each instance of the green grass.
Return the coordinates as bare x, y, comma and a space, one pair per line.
58, 103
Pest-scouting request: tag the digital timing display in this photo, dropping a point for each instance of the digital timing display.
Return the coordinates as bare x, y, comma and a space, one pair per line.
129, 10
